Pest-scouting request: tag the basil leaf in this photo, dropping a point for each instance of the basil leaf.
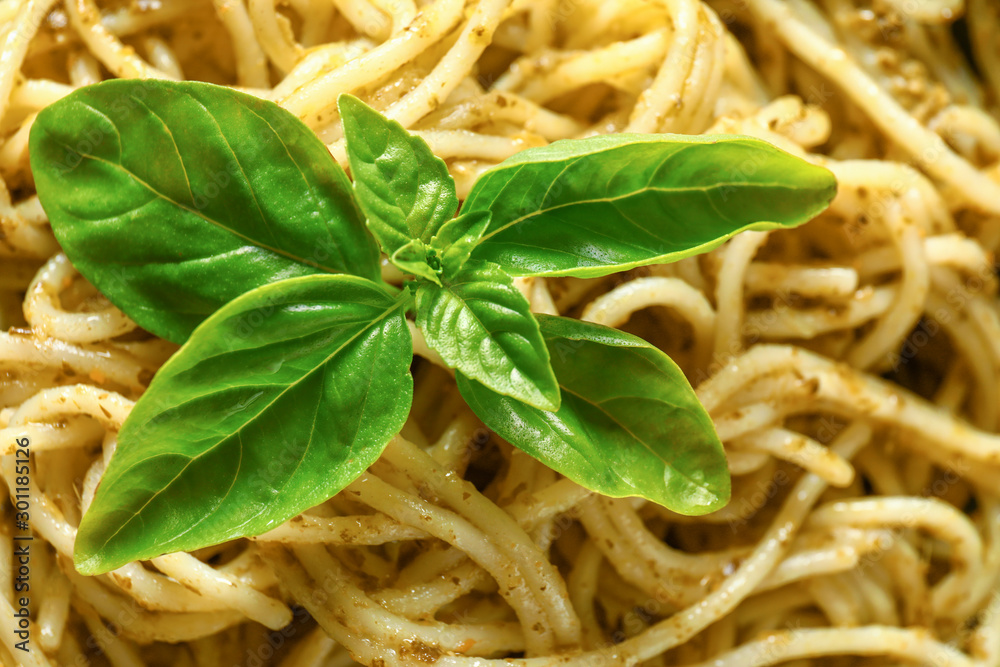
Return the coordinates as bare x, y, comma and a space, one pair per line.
457, 239
174, 198
482, 325
278, 401
416, 258
403, 188
595, 206
629, 424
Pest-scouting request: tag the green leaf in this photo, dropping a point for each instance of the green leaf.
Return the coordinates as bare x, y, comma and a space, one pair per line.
629, 424
482, 325
404, 190
457, 239
278, 401
600, 205
417, 259
174, 198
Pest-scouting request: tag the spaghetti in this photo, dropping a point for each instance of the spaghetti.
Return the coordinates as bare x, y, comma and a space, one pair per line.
851, 366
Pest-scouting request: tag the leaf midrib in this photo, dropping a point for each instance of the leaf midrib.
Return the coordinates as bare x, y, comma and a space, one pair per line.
216, 223
670, 463
490, 334
312, 429
631, 193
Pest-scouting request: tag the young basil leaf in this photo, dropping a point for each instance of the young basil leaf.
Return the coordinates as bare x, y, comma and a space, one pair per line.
482, 325
403, 188
595, 206
458, 237
418, 259
636, 431
174, 198
278, 400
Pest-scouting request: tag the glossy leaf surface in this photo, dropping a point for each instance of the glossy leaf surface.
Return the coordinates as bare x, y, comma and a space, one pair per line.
458, 238
482, 325
600, 205
404, 190
173, 198
629, 424
277, 401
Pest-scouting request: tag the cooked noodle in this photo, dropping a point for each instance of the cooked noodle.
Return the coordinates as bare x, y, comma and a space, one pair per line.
852, 366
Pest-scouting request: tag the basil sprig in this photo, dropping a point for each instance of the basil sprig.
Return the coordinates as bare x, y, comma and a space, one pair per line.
218, 220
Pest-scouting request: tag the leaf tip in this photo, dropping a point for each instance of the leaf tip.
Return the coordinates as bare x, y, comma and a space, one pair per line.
89, 556
87, 561
832, 186
549, 397
550, 405
88, 567
722, 493
823, 181
349, 104
713, 495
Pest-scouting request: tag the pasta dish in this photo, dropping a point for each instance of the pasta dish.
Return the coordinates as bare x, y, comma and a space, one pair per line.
851, 366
